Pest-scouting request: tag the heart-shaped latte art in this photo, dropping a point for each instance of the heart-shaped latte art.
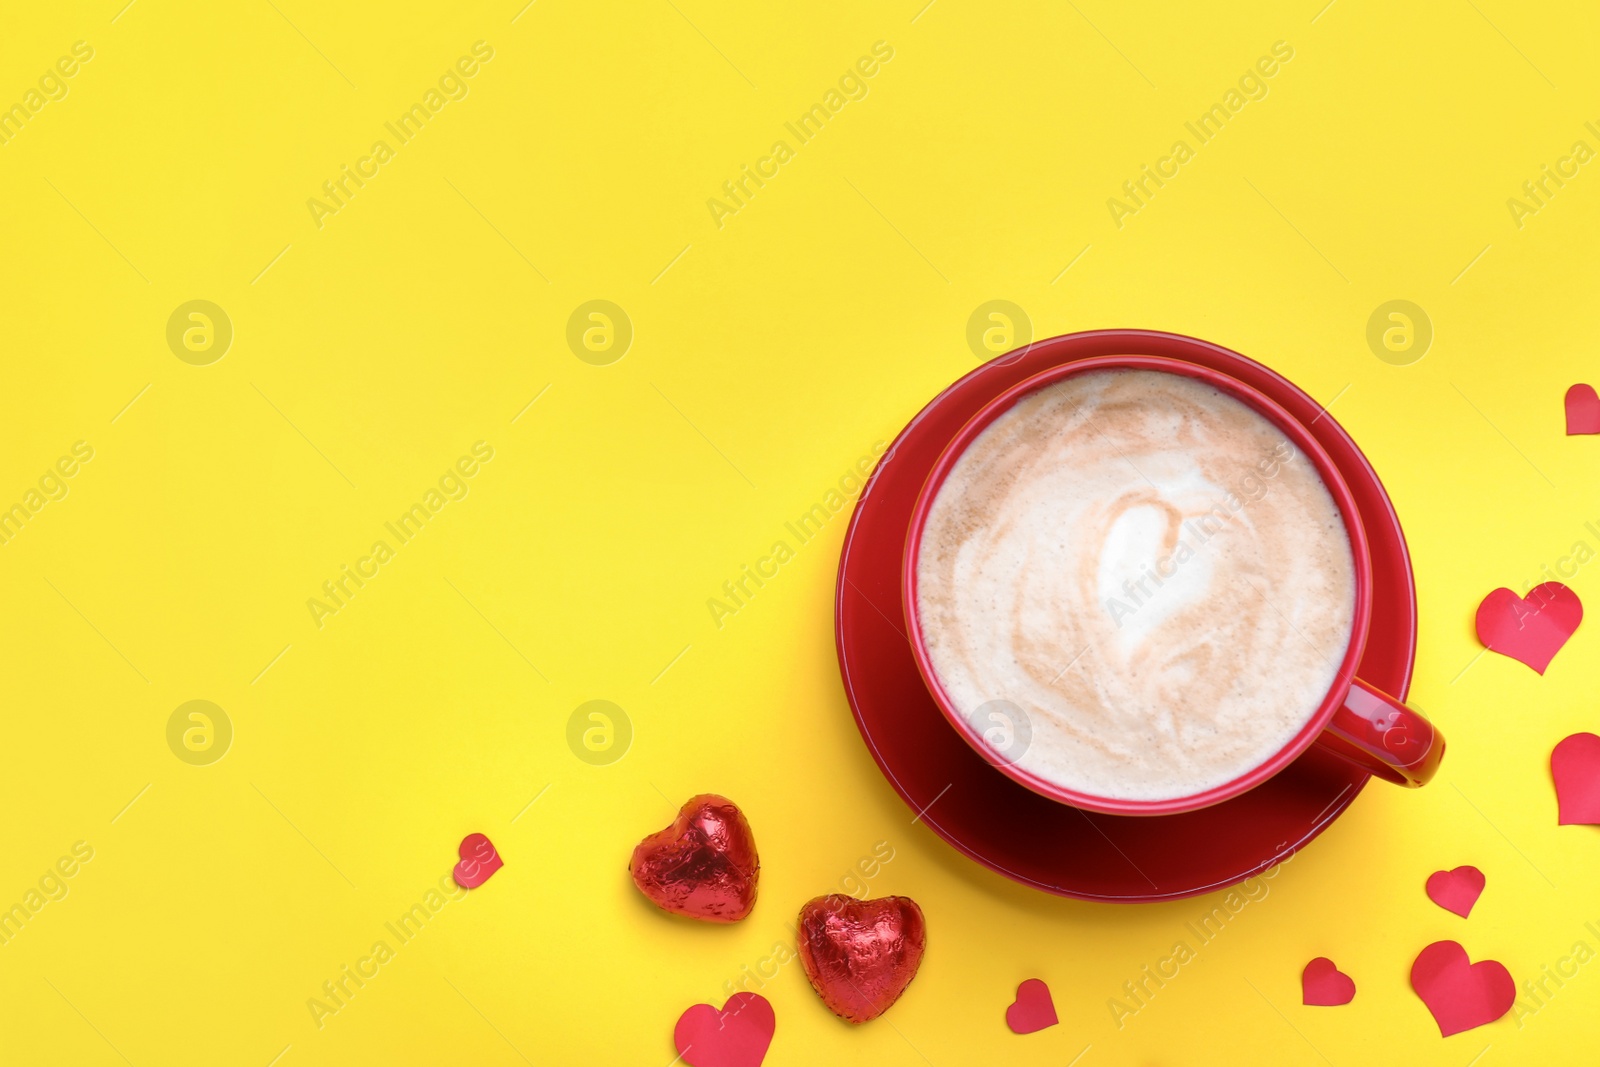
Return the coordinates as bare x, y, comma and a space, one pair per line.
704, 865
1150, 542
860, 954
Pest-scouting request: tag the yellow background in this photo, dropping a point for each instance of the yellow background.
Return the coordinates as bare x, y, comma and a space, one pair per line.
768, 356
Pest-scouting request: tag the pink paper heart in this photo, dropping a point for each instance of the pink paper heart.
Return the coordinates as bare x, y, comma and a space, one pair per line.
1530, 630
1324, 985
1461, 994
735, 1036
1033, 1010
1583, 410
1575, 766
1456, 890
479, 860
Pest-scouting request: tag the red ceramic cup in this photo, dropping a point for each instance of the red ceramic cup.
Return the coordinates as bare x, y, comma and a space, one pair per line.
1354, 720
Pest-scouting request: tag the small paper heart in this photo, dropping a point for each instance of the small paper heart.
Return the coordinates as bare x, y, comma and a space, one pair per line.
736, 1036
1324, 985
1583, 410
1530, 630
1575, 766
479, 860
1461, 994
1033, 1010
1456, 890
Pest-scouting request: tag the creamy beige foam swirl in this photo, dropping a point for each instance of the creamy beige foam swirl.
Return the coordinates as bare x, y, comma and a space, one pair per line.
1150, 571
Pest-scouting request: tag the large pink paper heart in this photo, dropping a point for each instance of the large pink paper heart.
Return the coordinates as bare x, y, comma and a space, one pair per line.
1575, 766
1324, 985
736, 1036
1033, 1010
1459, 993
1456, 890
1530, 630
1583, 410
479, 860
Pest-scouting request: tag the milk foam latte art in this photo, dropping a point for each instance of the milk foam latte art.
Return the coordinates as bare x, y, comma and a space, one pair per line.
1147, 570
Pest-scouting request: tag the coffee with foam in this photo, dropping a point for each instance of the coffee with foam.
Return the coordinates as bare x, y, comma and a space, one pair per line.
1139, 582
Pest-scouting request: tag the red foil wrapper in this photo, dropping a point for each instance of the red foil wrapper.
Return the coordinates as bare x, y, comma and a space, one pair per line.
861, 954
704, 865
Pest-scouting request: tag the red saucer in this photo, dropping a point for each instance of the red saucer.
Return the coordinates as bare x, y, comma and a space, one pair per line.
1011, 829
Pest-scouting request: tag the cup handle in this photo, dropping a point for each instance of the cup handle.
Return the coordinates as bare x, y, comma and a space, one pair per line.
1384, 737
